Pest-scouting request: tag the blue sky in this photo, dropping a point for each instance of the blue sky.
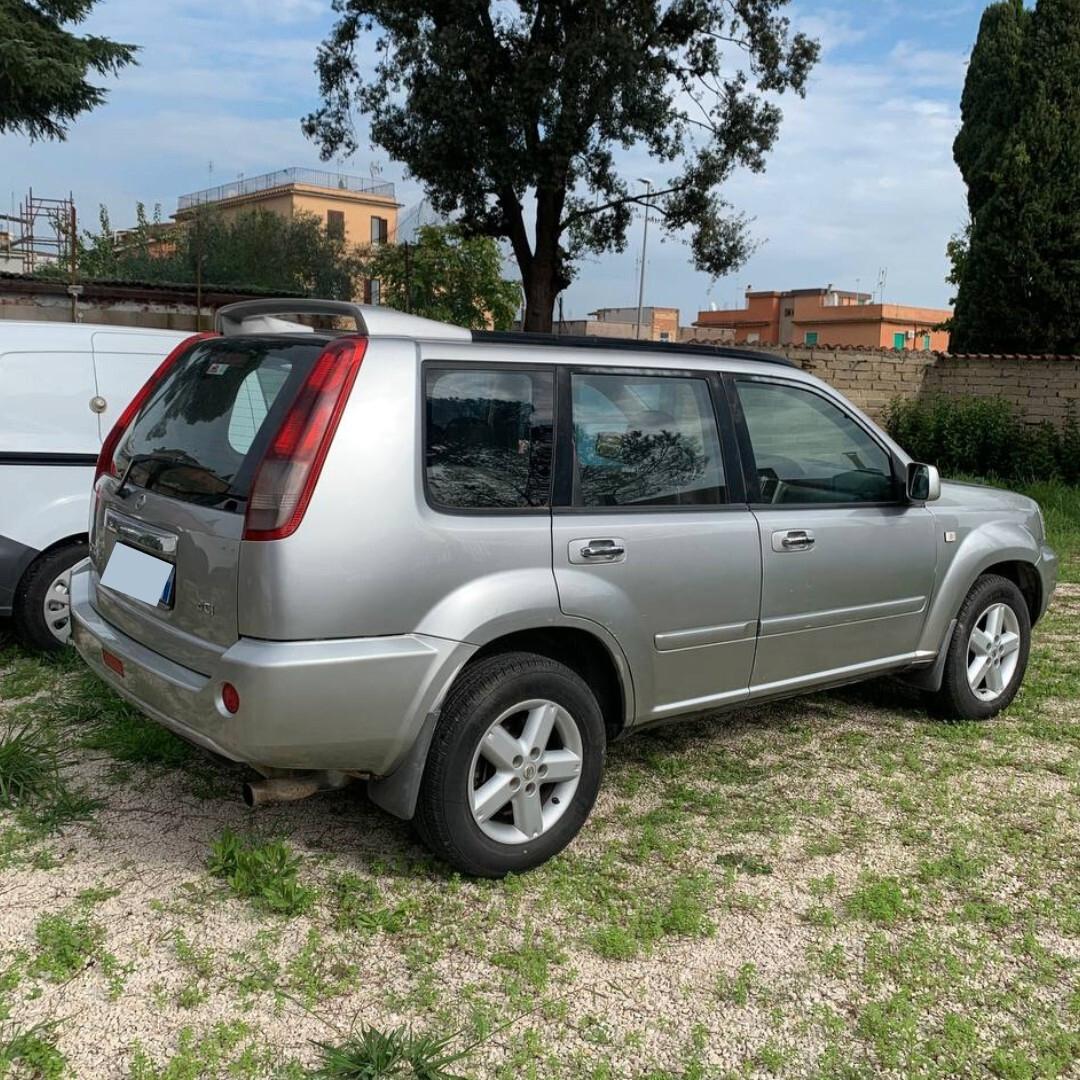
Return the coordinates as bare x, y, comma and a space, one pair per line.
861, 179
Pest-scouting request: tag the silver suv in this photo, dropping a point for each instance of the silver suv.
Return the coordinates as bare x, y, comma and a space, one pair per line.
458, 564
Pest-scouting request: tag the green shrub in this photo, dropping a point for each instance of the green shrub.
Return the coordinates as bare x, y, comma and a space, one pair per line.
264, 871
984, 436
28, 764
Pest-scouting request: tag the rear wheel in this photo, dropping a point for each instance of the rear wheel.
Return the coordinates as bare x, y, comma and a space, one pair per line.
988, 653
42, 608
514, 765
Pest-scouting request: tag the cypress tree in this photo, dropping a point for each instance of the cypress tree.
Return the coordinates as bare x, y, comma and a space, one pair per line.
1019, 154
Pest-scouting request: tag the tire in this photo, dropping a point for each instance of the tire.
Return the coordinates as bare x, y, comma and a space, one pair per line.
46, 579
957, 697
486, 696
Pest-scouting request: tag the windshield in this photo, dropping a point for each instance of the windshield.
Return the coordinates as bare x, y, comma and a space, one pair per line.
203, 431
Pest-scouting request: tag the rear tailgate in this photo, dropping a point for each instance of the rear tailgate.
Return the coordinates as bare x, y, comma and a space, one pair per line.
169, 518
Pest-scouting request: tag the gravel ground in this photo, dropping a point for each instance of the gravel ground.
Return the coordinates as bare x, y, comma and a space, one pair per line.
835, 886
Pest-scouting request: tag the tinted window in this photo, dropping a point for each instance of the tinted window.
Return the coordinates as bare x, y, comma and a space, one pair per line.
809, 450
489, 438
201, 434
645, 441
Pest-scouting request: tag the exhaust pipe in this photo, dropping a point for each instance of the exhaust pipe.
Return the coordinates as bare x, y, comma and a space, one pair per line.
300, 785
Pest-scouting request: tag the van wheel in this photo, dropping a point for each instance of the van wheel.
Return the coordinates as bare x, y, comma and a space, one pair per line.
42, 607
514, 765
988, 653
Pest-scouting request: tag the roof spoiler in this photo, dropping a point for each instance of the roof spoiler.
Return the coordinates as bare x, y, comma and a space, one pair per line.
265, 316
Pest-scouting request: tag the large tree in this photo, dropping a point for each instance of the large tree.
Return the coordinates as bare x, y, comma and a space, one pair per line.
1017, 268
44, 65
509, 110
446, 276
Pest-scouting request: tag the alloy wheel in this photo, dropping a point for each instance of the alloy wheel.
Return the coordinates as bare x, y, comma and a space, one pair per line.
525, 771
993, 652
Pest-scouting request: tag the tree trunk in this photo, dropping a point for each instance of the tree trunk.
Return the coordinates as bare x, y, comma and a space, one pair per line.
540, 294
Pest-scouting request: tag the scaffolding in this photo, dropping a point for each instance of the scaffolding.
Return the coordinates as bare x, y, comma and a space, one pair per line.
42, 233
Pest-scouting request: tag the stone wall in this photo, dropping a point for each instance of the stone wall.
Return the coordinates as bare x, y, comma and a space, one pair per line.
1040, 387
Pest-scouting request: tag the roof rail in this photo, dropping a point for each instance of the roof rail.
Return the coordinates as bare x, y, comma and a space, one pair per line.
669, 348
263, 316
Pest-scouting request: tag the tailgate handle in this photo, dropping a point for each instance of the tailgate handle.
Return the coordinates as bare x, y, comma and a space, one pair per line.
152, 541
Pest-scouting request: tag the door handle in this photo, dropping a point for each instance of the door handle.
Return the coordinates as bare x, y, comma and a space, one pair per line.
793, 540
603, 549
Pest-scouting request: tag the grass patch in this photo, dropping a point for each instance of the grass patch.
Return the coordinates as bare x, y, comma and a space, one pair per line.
66, 944
882, 899
265, 872
29, 766
112, 725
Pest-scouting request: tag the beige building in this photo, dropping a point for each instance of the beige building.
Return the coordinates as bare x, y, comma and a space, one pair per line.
358, 209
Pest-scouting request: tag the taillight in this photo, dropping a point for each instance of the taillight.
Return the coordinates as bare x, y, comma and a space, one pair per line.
292, 463
105, 462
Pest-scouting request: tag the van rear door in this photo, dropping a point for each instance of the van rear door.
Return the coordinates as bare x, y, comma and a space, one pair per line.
170, 513
122, 363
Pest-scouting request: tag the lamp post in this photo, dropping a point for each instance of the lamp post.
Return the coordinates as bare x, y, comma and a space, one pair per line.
644, 241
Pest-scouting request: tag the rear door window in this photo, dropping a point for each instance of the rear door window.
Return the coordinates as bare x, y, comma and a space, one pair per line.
204, 430
488, 438
642, 440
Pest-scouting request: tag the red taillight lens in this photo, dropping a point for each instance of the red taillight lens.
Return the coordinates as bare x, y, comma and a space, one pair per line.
291, 466
230, 697
105, 463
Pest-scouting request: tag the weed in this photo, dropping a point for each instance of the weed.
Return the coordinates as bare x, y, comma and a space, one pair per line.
737, 989
357, 907
263, 871
31, 1052
882, 899
29, 769
67, 942
373, 1055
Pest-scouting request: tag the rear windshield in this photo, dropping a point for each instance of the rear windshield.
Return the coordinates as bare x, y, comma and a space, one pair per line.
202, 433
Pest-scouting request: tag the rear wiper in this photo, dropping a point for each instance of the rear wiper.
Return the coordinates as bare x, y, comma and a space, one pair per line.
136, 459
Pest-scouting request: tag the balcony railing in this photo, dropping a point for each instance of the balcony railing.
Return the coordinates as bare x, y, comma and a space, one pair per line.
316, 177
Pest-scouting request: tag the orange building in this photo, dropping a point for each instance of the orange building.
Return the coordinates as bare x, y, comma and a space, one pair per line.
830, 317
359, 210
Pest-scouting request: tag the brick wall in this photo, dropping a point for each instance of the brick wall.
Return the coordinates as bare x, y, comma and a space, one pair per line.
1040, 387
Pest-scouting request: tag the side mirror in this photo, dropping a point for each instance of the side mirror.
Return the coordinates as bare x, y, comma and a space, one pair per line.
923, 483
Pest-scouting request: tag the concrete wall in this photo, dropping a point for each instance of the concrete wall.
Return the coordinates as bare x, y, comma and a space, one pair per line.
1039, 387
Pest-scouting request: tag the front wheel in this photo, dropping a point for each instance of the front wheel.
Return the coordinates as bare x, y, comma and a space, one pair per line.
988, 653
514, 765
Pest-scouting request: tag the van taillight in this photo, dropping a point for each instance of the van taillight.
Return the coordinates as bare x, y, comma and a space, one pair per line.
105, 461
290, 468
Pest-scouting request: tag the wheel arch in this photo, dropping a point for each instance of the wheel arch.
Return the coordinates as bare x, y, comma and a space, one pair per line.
584, 651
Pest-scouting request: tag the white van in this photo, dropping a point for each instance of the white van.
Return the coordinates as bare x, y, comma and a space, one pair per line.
62, 386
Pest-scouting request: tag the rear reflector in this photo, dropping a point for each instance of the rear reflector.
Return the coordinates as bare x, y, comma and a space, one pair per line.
114, 663
290, 468
105, 461
230, 697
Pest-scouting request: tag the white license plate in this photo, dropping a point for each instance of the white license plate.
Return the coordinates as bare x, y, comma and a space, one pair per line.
138, 575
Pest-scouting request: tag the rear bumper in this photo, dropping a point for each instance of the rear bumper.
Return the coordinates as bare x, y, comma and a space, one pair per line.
353, 704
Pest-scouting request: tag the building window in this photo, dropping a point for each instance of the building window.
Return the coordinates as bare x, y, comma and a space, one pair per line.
898, 339
753, 338
926, 342
379, 231
789, 312
335, 224
810, 337
664, 335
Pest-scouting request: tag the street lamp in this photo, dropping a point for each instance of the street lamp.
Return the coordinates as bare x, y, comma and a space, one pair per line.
644, 241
